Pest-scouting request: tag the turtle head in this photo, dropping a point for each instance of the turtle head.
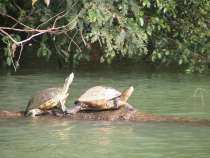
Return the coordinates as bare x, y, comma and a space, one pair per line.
67, 83
126, 94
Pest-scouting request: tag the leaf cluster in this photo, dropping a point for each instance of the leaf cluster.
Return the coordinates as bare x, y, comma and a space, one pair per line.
156, 31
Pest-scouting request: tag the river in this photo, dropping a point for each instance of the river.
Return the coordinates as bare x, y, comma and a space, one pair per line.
160, 93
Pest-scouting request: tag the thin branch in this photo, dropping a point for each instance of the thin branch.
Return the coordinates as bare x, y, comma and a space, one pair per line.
37, 32
65, 26
28, 39
19, 30
85, 43
17, 5
59, 17
21, 49
10, 37
72, 40
30, 30
69, 47
49, 19
16, 20
13, 64
11, 54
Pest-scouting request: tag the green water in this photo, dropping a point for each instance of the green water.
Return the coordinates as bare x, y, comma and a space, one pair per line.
159, 93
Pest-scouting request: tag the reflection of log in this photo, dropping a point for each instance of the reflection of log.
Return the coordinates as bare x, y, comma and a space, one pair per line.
117, 115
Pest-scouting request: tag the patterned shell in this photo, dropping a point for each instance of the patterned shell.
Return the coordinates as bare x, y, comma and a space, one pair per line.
41, 97
99, 93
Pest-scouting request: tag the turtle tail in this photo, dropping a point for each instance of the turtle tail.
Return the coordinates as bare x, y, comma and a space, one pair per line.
126, 94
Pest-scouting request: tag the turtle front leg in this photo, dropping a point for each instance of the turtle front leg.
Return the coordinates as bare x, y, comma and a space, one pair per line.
78, 106
74, 110
34, 112
118, 103
129, 107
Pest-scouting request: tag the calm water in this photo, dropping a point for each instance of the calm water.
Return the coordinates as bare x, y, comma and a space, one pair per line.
158, 93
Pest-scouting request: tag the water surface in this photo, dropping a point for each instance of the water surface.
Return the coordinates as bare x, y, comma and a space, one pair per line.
159, 93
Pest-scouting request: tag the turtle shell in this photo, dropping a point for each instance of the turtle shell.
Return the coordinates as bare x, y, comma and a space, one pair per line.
98, 93
45, 99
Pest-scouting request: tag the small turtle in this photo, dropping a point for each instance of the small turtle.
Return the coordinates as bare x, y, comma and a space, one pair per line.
48, 99
102, 98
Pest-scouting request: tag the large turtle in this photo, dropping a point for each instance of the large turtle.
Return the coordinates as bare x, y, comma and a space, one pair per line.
48, 99
102, 98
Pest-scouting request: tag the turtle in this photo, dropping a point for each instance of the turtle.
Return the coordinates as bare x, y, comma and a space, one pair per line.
48, 99
102, 98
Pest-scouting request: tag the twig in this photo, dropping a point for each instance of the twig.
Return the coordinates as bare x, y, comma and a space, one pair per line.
85, 43
74, 42
11, 54
58, 17
20, 30
21, 49
13, 64
16, 20
28, 39
65, 26
5, 33
49, 19
37, 32
69, 47
17, 5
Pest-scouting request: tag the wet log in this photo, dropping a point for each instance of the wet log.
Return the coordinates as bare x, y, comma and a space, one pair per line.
11, 114
122, 114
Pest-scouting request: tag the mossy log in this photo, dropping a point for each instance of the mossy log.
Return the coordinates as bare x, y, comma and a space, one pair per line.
115, 115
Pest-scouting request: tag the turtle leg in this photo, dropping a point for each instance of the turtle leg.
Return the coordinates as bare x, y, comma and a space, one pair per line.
34, 112
118, 103
56, 112
76, 108
129, 107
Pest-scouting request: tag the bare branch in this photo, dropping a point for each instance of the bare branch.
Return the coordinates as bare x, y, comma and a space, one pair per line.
49, 19
20, 30
34, 32
20, 53
69, 47
72, 40
8, 35
85, 43
58, 17
16, 20
28, 39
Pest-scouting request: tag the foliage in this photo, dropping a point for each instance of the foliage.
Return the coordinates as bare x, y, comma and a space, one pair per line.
155, 31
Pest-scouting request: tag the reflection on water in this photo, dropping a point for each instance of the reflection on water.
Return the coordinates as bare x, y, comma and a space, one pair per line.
159, 93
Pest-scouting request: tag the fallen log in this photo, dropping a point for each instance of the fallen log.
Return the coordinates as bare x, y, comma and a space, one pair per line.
116, 115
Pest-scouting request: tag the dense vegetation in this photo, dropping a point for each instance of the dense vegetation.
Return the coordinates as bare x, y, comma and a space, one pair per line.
168, 32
